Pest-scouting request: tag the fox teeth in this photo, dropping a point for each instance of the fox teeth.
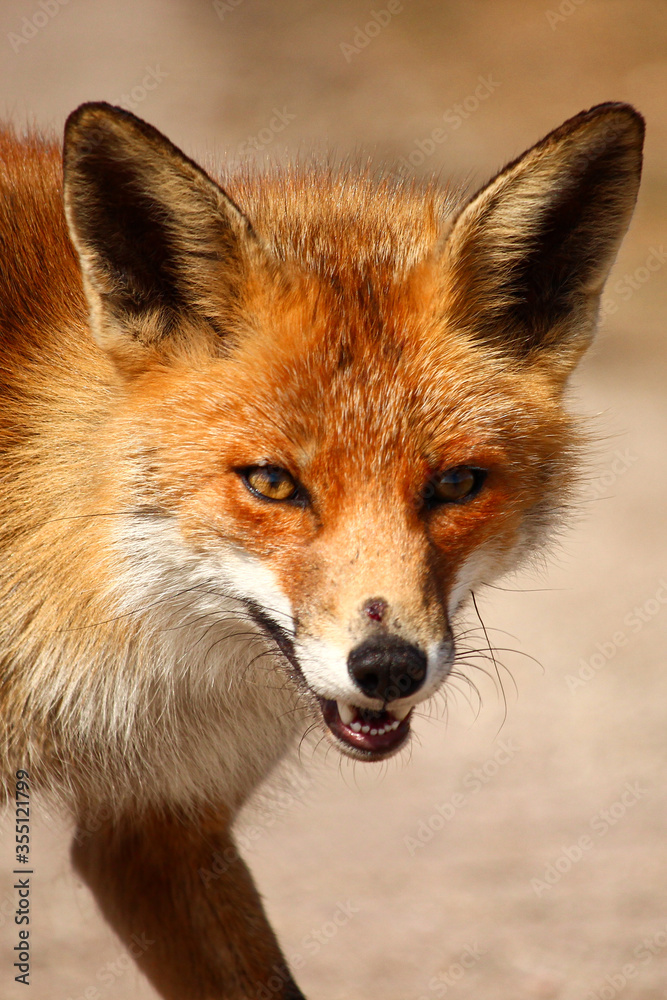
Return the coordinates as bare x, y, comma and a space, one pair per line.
348, 716
384, 729
346, 712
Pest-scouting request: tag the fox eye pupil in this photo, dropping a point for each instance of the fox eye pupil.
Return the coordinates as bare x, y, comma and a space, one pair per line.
455, 485
270, 482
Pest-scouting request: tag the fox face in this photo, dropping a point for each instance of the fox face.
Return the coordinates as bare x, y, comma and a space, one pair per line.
339, 406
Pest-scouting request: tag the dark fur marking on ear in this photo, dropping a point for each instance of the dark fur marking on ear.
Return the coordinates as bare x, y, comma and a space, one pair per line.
532, 249
159, 241
123, 225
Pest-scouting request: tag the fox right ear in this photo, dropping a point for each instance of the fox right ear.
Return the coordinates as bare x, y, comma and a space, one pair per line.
526, 259
160, 243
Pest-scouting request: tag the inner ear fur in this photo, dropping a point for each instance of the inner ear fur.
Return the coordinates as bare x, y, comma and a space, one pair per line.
528, 255
160, 243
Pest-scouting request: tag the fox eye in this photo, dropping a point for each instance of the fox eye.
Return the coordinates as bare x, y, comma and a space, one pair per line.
455, 485
270, 482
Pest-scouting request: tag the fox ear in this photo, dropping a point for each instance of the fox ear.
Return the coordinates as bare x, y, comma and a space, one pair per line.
159, 242
527, 257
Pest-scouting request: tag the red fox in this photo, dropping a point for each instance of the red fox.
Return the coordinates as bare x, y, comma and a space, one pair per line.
262, 436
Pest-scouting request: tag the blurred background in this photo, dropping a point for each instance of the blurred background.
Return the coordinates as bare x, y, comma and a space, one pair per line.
516, 852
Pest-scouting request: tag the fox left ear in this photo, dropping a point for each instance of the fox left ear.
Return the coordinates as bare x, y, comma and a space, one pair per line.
527, 257
160, 243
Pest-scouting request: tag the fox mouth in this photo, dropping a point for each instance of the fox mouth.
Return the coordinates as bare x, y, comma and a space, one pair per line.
364, 733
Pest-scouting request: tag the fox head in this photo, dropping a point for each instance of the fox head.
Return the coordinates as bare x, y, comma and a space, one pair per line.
339, 402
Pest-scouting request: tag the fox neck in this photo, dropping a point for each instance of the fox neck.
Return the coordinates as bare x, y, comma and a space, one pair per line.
169, 685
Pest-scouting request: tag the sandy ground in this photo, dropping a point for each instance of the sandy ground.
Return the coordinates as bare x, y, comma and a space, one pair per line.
516, 858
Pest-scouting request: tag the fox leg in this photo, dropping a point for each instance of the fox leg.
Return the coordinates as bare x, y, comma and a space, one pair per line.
184, 903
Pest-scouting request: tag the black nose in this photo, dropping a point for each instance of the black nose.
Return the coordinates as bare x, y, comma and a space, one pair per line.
387, 668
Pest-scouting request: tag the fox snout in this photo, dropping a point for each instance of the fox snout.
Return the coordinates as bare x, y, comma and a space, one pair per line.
369, 663
376, 631
392, 674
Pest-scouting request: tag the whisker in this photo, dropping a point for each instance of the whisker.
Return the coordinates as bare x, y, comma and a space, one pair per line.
526, 590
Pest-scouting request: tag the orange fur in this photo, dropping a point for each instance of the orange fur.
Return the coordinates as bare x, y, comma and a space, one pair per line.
370, 341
